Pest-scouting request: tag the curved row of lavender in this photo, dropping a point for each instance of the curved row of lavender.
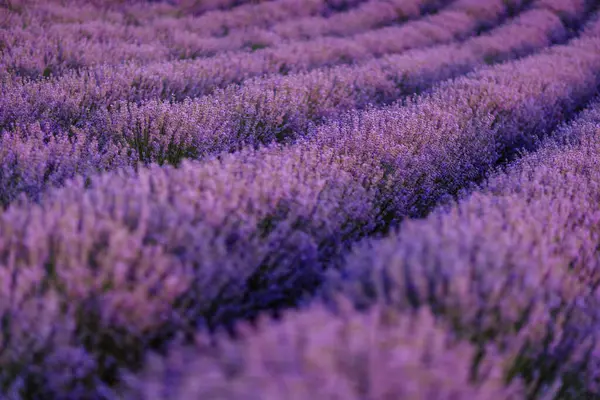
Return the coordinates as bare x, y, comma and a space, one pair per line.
34, 49
318, 354
103, 85
518, 258
509, 271
154, 41
100, 87
202, 76
259, 112
148, 251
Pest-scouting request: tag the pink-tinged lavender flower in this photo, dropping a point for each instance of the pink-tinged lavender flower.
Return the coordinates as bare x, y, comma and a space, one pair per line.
322, 355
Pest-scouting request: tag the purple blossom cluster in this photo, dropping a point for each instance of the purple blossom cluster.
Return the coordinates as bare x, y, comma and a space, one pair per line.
326, 199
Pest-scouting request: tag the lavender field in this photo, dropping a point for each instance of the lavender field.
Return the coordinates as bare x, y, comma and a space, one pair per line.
300, 199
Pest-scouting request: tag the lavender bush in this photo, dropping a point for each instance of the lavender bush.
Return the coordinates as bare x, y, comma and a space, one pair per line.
524, 243
62, 43
270, 109
379, 199
226, 68
318, 354
71, 45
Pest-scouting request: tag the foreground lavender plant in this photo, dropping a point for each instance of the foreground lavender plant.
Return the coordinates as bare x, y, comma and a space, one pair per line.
527, 240
320, 355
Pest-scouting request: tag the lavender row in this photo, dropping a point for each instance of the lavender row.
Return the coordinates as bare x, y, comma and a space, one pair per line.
108, 43
171, 41
130, 258
261, 15
215, 20
23, 13
498, 264
76, 94
369, 15
526, 240
25, 54
197, 77
323, 355
262, 111
364, 16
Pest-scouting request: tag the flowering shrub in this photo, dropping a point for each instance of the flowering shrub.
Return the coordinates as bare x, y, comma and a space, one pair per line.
273, 109
157, 39
325, 199
517, 253
317, 354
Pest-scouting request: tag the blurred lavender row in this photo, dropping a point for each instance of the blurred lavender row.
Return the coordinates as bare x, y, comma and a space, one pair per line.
325, 199
509, 268
246, 13
323, 355
518, 254
23, 13
104, 85
259, 112
202, 17
62, 44
113, 267
201, 76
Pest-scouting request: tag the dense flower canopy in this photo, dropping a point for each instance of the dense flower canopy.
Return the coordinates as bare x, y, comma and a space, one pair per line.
299, 199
